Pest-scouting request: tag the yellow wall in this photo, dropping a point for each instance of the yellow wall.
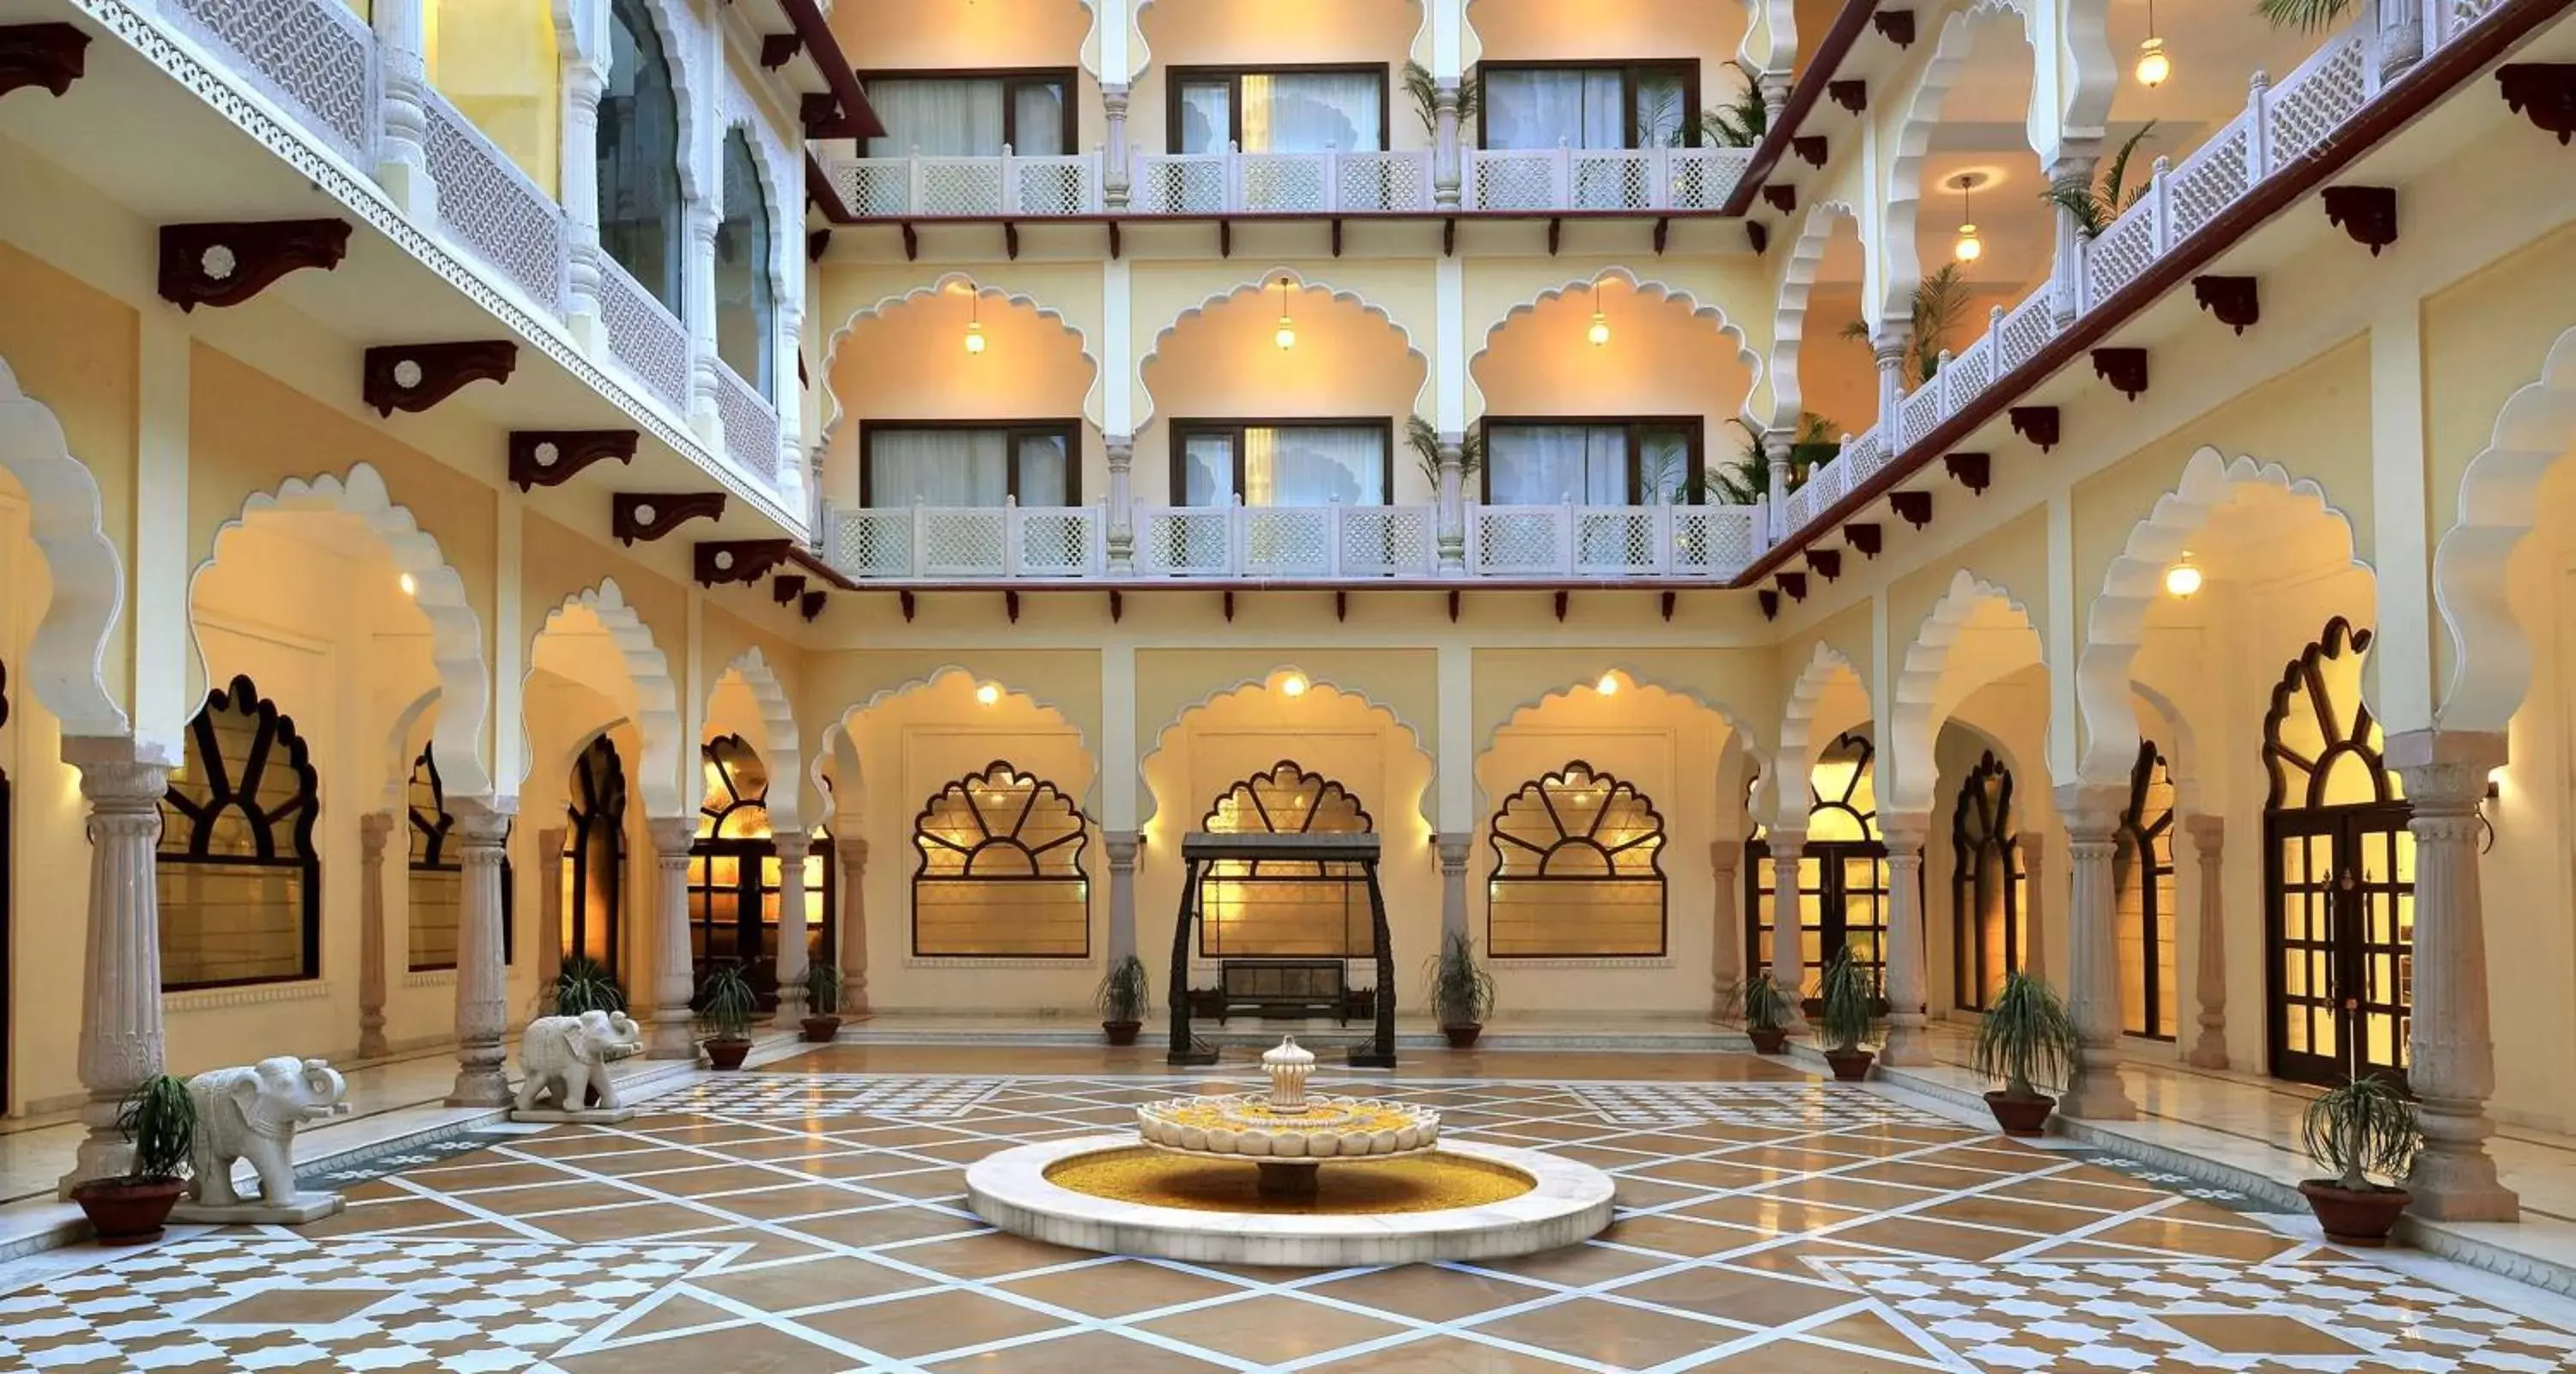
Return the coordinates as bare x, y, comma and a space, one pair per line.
495, 61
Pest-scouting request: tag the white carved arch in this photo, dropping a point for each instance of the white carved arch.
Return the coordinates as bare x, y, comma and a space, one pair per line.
684, 41
657, 696
1796, 756
2499, 503
1789, 320
780, 187
947, 284
1742, 744
67, 656
1950, 52
1698, 309
455, 632
1923, 701
883, 695
1269, 281
780, 748
2176, 741
2115, 626
1141, 56
2091, 73
399, 755
1268, 682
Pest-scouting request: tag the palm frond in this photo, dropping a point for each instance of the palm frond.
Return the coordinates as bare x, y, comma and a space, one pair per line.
2118, 176
2095, 207
1742, 121
1847, 990
1424, 89
1939, 301
1423, 437
2309, 15
2026, 1040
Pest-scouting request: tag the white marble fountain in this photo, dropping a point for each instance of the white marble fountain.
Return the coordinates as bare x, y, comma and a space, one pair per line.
1288, 1134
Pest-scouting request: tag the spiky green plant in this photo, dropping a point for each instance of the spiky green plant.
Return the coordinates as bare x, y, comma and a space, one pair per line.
1424, 88
1125, 991
726, 1003
584, 984
1847, 990
2361, 1130
2307, 15
159, 1119
1423, 437
1934, 310
2095, 207
1746, 478
1742, 121
2027, 1041
1757, 1001
1462, 991
822, 989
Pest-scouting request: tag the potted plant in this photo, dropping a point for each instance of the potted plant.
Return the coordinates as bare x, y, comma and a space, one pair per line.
822, 1002
1764, 1009
2025, 1040
1123, 996
726, 1004
2362, 1130
584, 984
1462, 992
159, 1120
1843, 1022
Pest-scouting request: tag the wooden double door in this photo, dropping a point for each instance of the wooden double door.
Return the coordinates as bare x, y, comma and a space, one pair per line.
2341, 932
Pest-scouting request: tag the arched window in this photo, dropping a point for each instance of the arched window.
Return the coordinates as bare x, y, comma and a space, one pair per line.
2144, 868
2339, 874
640, 208
1578, 870
594, 854
1001, 870
746, 298
437, 885
241, 887
1279, 908
1986, 883
1842, 871
733, 873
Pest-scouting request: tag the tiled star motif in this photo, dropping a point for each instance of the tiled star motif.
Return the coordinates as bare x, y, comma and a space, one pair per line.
768, 1095
1762, 1104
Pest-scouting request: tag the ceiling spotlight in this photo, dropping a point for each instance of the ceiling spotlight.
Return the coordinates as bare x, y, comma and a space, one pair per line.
410, 585
2182, 579
1969, 248
975, 325
2153, 65
1293, 685
987, 694
1286, 338
1608, 686
1600, 331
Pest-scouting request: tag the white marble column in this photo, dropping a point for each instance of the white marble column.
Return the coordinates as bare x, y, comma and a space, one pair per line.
792, 927
1775, 92
674, 972
482, 972
402, 147
373, 829
1122, 846
579, 182
1906, 951
120, 1034
698, 293
2450, 1049
2208, 840
2066, 265
1775, 455
547, 864
1121, 451
852, 914
1889, 351
2092, 817
1787, 968
2034, 904
1115, 172
1448, 155
1452, 523
1726, 936
1453, 884
2400, 35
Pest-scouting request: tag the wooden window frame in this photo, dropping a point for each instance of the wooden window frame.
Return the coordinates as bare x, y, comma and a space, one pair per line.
1185, 430
577, 822
1233, 73
2138, 834
1011, 78
1628, 69
1966, 849
1695, 426
1829, 875
1040, 789
434, 828
1069, 430
1495, 839
276, 729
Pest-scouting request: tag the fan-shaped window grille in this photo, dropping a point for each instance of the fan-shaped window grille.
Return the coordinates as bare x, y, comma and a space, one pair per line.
1578, 870
1988, 906
240, 884
2145, 868
1281, 908
437, 887
1842, 870
1001, 870
733, 873
594, 854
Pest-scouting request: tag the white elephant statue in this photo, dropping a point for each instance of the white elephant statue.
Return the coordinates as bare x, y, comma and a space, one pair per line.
251, 1112
566, 1058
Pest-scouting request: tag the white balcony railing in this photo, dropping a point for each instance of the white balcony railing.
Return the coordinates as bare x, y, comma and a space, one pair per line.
929, 187
967, 541
1280, 183
1565, 178
644, 336
750, 423
492, 208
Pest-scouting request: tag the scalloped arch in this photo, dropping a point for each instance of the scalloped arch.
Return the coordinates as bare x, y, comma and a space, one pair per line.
676, 27
398, 752
770, 161
1145, 411
781, 749
1796, 756
67, 656
1959, 33
884, 695
1744, 350
1143, 52
1263, 683
1742, 744
657, 696
1914, 721
455, 632
2498, 506
2115, 626
945, 283
1789, 318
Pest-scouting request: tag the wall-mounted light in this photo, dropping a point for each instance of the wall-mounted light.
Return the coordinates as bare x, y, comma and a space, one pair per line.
2153, 66
410, 585
1600, 331
987, 694
1969, 248
1608, 686
1286, 338
2182, 579
1293, 685
975, 323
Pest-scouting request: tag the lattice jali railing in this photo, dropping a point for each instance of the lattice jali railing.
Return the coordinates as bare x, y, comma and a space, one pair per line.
1705, 178
873, 187
1517, 539
1918, 414
2327, 89
1616, 179
750, 425
1183, 541
2028, 329
960, 186
870, 543
1386, 541
1716, 541
2213, 178
1382, 181
962, 541
1624, 539
645, 337
1969, 373
1055, 185
1058, 541
1284, 181
493, 209
1179, 184
1860, 459
1287, 541
314, 58
1512, 180
2120, 253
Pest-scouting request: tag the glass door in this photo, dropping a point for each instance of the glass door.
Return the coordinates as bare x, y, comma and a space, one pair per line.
2343, 944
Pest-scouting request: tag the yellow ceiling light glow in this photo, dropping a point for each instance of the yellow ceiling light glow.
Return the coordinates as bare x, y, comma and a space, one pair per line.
410, 585
1608, 686
975, 324
2153, 66
1600, 331
1969, 248
987, 694
1286, 338
1293, 685
2182, 579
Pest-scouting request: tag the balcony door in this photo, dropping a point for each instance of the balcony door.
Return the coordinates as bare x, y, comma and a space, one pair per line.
1278, 109
1032, 463
1541, 105
972, 113
1547, 462
1283, 462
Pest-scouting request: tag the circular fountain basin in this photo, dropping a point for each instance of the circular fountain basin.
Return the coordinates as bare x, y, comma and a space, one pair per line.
1564, 1202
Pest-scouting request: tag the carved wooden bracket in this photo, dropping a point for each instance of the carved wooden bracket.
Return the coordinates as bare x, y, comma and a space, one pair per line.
1975, 471
2124, 368
812, 604
1825, 563
1864, 536
1341, 606
1011, 605
648, 515
227, 264
2366, 213
1759, 235
1118, 606
1453, 607
552, 457
1563, 599
1852, 95
415, 377
904, 599
49, 55
1810, 147
2544, 93
1670, 600
1781, 198
786, 588
739, 560
1770, 603
779, 49
1913, 507
2236, 301
1896, 26
2038, 424
1794, 583
817, 243
818, 111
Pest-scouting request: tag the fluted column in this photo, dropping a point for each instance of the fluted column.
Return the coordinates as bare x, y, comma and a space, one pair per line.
373, 829
2450, 1049
1115, 173
1905, 951
1775, 455
402, 148
2400, 34
674, 972
698, 282
853, 915
1774, 87
1122, 845
1787, 969
1453, 885
2093, 965
547, 863
120, 1037
1889, 351
2034, 905
482, 975
579, 181
1725, 968
1448, 153
792, 926
2066, 267
1453, 504
2208, 838
1121, 450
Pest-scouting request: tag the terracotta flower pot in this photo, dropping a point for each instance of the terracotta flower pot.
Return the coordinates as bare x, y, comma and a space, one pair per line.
1772, 1041
819, 1030
725, 1054
1121, 1032
128, 1211
1463, 1037
2021, 1116
2355, 1218
1851, 1066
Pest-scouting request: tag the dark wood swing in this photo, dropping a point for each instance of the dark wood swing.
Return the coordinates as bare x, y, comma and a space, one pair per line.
1348, 859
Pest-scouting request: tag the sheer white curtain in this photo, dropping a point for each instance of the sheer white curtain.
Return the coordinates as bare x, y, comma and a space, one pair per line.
1547, 465
940, 118
1207, 470
1043, 477
938, 467
1037, 120
1582, 108
1314, 467
1310, 112
1207, 116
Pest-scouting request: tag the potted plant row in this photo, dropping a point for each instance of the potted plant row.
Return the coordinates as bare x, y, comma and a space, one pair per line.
159, 1120
1462, 991
1849, 992
2025, 1041
1765, 1010
1124, 995
822, 1003
2365, 1131
726, 1006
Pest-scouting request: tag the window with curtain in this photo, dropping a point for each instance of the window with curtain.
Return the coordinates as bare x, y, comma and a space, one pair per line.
1279, 110
1578, 870
594, 855
1316, 463
240, 882
746, 296
2144, 872
1036, 463
640, 206
973, 114
1987, 904
1590, 105
437, 875
1001, 870
1283, 908
1593, 463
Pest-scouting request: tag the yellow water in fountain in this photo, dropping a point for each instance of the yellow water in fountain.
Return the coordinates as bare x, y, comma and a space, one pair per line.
1432, 1181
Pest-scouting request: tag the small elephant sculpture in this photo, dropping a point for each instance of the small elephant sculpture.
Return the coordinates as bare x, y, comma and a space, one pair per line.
566, 1058
251, 1112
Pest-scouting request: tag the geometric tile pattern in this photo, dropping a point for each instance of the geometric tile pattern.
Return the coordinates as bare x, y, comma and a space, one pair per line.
803, 1222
